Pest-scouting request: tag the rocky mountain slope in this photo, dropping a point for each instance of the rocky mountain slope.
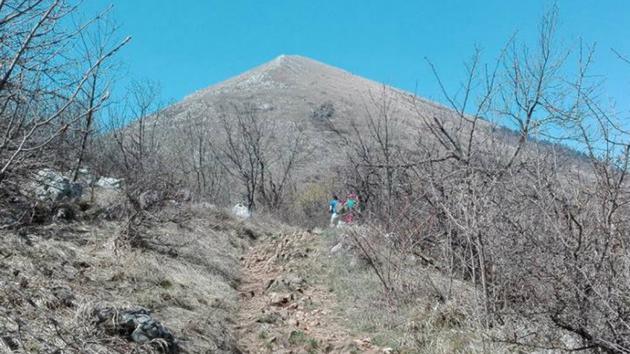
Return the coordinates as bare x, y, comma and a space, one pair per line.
290, 88
326, 104
295, 91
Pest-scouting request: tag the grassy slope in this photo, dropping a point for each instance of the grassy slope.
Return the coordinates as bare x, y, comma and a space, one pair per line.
52, 278
416, 322
190, 277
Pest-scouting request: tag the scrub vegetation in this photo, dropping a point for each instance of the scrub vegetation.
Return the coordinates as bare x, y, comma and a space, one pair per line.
495, 223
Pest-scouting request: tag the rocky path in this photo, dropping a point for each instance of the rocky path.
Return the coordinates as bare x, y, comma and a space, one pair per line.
283, 309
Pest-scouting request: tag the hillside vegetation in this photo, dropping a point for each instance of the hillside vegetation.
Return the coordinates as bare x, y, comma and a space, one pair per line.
66, 286
497, 223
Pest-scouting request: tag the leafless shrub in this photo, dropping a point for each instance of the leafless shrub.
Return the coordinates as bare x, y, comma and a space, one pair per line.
44, 84
259, 154
198, 166
324, 112
539, 231
53, 80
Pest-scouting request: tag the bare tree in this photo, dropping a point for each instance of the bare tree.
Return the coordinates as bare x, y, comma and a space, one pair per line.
130, 146
259, 154
376, 165
535, 236
197, 164
41, 79
94, 45
539, 230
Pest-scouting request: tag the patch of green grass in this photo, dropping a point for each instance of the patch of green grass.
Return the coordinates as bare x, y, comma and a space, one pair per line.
262, 335
329, 233
297, 338
313, 344
309, 305
165, 284
389, 341
360, 296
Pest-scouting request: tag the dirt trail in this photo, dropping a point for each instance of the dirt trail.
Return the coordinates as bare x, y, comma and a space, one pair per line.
283, 309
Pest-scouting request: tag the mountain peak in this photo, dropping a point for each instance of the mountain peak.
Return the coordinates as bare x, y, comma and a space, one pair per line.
282, 72
287, 58
295, 63
284, 60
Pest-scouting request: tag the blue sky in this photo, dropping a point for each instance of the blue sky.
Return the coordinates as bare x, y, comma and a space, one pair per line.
187, 45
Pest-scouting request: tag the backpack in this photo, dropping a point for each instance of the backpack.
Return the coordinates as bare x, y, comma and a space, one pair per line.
340, 208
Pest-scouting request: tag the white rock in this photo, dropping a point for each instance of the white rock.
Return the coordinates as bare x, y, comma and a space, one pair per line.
53, 186
109, 183
241, 211
266, 107
571, 341
336, 248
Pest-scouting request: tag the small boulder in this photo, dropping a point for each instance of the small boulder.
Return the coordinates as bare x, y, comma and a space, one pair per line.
50, 185
11, 343
266, 107
336, 248
570, 341
136, 324
241, 211
65, 213
278, 299
109, 183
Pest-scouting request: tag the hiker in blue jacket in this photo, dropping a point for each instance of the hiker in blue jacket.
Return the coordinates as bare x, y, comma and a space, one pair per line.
332, 209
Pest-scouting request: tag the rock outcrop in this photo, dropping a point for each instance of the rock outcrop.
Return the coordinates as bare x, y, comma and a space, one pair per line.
50, 185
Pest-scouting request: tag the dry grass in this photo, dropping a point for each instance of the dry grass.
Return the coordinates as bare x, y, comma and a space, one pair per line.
52, 278
416, 322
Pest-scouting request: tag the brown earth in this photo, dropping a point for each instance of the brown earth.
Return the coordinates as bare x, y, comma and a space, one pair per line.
283, 309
